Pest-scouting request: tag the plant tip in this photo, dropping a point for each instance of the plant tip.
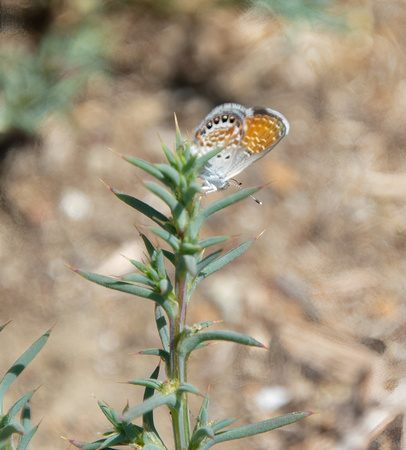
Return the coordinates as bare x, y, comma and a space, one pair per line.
116, 153
52, 327
71, 441
39, 423
107, 186
36, 389
4, 324
259, 235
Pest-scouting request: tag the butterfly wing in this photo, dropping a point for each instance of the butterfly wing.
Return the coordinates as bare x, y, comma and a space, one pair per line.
264, 128
245, 135
222, 128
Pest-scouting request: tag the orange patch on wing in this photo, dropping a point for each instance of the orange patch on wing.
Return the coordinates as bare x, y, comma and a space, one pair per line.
261, 132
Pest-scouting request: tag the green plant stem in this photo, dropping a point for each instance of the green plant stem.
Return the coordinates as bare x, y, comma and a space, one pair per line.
180, 421
180, 416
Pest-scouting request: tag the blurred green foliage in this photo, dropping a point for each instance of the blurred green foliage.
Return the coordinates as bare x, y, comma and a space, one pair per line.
36, 80
36, 83
315, 12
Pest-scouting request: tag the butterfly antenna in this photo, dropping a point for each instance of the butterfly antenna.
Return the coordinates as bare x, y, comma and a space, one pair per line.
239, 184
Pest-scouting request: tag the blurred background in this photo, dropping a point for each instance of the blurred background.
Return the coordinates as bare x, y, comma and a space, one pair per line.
324, 287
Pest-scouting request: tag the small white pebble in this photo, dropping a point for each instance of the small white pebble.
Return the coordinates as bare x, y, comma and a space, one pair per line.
271, 398
75, 204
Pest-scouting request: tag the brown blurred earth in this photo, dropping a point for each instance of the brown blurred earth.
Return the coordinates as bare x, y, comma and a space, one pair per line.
324, 287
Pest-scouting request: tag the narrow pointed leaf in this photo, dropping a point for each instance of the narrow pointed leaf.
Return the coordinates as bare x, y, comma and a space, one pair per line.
212, 263
148, 418
21, 363
180, 216
203, 417
156, 352
167, 237
148, 245
169, 155
114, 439
222, 424
120, 285
202, 160
207, 260
143, 208
4, 325
190, 342
24, 440
162, 326
128, 288
147, 382
10, 429
87, 446
160, 264
111, 415
150, 404
154, 447
189, 262
189, 195
131, 433
12, 412
202, 325
26, 417
139, 265
148, 270
256, 428
164, 286
220, 204
185, 152
145, 166
169, 256
138, 278
204, 243
199, 435
187, 387
223, 260
179, 141
170, 174
150, 436
163, 194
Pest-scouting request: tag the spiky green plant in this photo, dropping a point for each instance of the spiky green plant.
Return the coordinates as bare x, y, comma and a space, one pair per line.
181, 231
9, 426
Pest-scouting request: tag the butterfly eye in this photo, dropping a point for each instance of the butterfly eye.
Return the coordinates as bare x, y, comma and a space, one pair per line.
232, 119
209, 125
224, 118
216, 120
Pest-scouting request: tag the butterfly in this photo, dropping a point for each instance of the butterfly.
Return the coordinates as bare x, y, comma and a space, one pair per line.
244, 134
